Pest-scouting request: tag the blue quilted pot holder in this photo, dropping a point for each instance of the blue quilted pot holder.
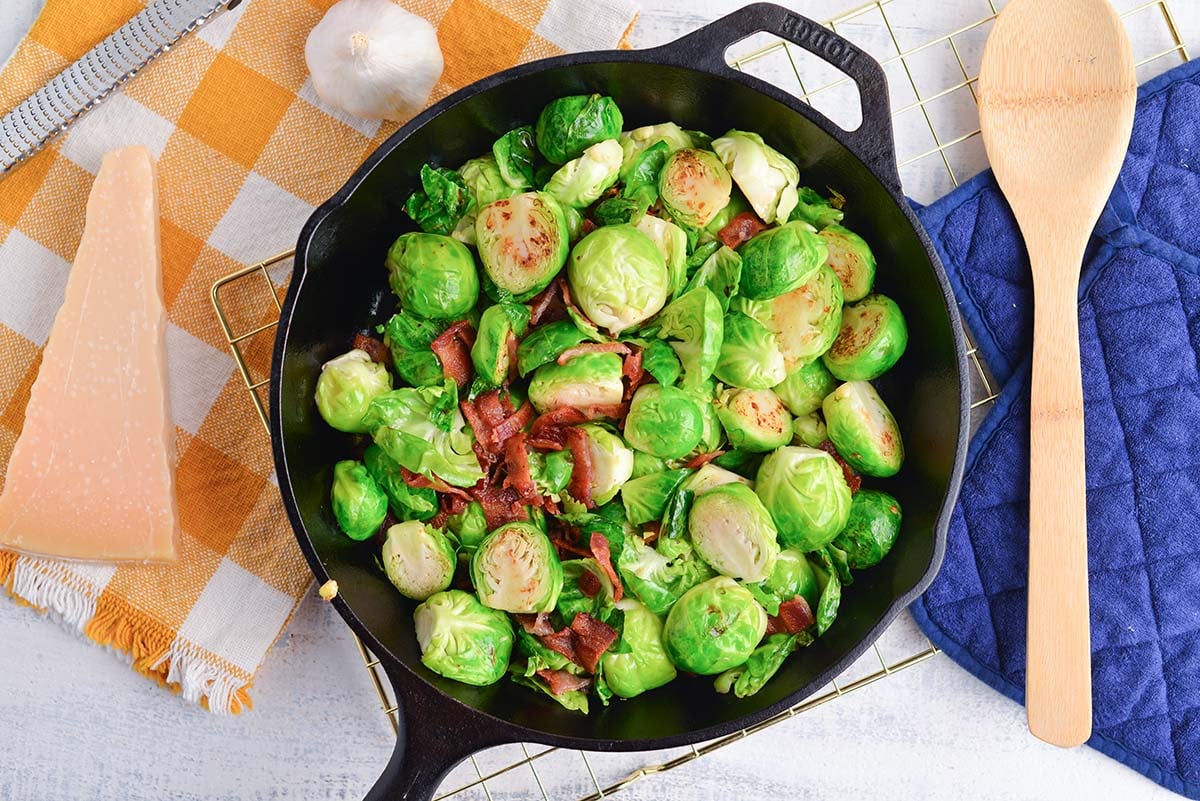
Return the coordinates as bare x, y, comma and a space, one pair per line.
1139, 318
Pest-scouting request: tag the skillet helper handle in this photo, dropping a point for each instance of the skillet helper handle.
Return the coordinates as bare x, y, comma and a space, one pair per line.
872, 141
436, 734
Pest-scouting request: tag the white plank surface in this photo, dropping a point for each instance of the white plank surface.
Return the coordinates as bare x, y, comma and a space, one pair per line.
75, 723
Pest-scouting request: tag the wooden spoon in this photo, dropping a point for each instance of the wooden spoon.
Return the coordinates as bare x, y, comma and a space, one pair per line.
1057, 89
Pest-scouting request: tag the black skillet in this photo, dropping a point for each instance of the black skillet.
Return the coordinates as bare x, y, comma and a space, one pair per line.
339, 288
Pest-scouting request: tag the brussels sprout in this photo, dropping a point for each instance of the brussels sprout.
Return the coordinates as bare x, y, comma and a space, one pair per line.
831, 590
693, 186
359, 505
817, 211
863, 429
754, 419
637, 141
484, 180
765, 176
663, 422
346, 388
696, 326
752, 675
806, 493
581, 181
750, 356
469, 525
734, 533
462, 639
805, 387
713, 627
660, 361
545, 344
516, 569
645, 497
523, 242
515, 153
612, 462
778, 260
671, 242
490, 352
809, 429
737, 205
406, 502
640, 662
641, 181
792, 576
711, 476
419, 560
551, 472
588, 379
408, 337
644, 464
569, 125
618, 277
851, 260
660, 577
720, 273
433, 276
712, 434
574, 223
871, 339
403, 423
805, 320
441, 202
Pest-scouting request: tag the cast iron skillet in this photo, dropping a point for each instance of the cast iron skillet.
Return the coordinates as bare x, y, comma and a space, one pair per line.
339, 287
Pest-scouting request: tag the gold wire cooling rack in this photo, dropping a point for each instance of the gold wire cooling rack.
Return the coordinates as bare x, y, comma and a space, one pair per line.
955, 154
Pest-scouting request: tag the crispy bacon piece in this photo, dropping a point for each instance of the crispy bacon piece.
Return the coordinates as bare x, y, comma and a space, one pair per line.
794, 617
701, 459
561, 681
740, 229
516, 464
536, 625
563, 642
599, 545
650, 531
501, 505
566, 547
548, 306
592, 639
439, 520
490, 408
493, 423
418, 481
587, 226
589, 584
632, 370
453, 504
580, 485
592, 347
852, 478
514, 423
374, 348
512, 358
453, 349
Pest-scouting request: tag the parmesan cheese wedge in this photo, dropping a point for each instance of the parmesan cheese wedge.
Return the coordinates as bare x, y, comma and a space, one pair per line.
92, 474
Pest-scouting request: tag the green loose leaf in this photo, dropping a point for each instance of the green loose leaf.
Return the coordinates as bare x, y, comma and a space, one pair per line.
575, 700
445, 407
660, 361
695, 324
400, 423
515, 155
442, 201
831, 589
719, 273
749, 677
645, 498
617, 210
675, 515
659, 576
701, 254
406, 503
817, 211
546, 343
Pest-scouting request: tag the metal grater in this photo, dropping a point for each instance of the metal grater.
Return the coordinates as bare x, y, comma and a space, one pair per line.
77, 89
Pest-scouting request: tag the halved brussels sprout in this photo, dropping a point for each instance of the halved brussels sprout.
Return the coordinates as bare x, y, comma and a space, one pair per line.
779, 260
713, 627
805, 320
806, 493
402, 423
546, 343
570, 125
618, 277
660, 577
851, 260
588, 379
434, 276
809, 429
734, 533
515, 153
711, 476
462, 639
720, 273
523, 242
490, 353
754, 419
516, 570
469, 525
693, 186
612, 462
640, 662
663, 422
635, 142
805, 387
817, 211
752, 675
871, 339
359, 505
419, 560
750, 356
872, 529
346, 388
407, 503
645, 497
765, 176
581, 181
792, 576
696, 327
672, 243
863, 429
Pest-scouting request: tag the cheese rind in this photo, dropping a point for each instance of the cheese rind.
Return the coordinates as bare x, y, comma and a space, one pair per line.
92, 474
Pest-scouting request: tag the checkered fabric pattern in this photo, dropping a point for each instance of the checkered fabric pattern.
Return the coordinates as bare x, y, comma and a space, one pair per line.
234, 123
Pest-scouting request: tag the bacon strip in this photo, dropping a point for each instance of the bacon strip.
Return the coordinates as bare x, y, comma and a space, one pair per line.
599, 545
589, 584
453, 349
794, 617
592, 347
490, 408
501, 505
580, 485
702, 459
569, 548
512, 357
418, 481
547, 306
516, 463
561, 681
852, 478
563, 642
514, 423
378, 351
536, 625
592, 639
632, 370
740, 229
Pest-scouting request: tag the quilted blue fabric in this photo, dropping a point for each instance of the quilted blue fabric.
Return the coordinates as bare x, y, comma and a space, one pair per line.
1139, 317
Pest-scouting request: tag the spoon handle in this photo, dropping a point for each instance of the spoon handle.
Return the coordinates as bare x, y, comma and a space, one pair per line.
1058, 678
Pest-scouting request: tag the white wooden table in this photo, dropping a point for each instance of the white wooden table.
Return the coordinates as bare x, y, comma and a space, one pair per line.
76, 723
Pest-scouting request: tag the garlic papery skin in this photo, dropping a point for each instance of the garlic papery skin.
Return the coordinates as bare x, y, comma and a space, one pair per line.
373, 59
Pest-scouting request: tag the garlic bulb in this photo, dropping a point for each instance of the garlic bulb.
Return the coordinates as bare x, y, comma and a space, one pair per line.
373, 59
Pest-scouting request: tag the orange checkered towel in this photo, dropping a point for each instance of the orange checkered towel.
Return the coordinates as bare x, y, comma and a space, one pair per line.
235, 124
